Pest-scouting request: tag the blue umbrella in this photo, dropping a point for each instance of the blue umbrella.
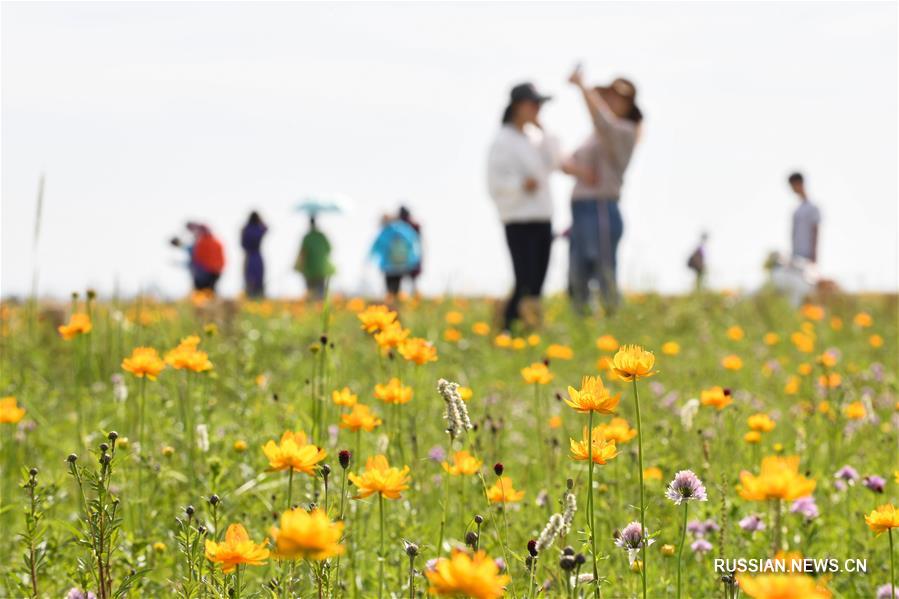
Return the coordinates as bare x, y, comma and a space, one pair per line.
317, 204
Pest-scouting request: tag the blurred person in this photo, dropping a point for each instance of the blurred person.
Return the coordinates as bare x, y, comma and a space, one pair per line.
253, 267
806, 220
314, 261
520, 161
599, 166
696, 261
397, 249
406, 217
206, 256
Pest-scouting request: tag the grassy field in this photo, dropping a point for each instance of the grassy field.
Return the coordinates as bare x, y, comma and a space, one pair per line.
123, 471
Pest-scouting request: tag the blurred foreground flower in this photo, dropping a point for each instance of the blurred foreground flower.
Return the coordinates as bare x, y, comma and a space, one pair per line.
465, 575
236, 549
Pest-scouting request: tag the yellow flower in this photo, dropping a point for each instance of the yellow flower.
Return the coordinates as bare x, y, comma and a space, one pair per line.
376, 318
732, 362
603, 449
617, 430
824, 407
559, 352
778, 478
294, 451
236, 549
771, 339
761, 423
159, 547
855, 411
827, 359
394, 392
344, 397
716, 397
186, 356
464, 575
863, 320
792, 385
392, 335
168, 451
381, 477
518, 343
592, 397
875, 341
607, 343
831, 380
465, 393
782, 586
502, 491
652, 473
355, 305
361, 418
419, 351
240, 446
463, 464
480, 328
554, 422
144, 361
668, 550
803, 342
812, 312
752, 437
537, 373
735, 333
10, 412
503, 340
671, 348
836, 323
79, 324
804, 369
454, 317
883, 519
633, 362
307, 535
533, 340
452, 335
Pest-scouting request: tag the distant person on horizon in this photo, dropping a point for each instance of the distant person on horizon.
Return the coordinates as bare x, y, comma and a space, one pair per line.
206, 257
406, 217
253, 267
314, 261
397, 249
520, 161
806, 219
696, 261
598, 166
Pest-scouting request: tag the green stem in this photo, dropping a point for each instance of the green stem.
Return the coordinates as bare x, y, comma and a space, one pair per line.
680, 551
290, 488
642, 491
381, 547
591, 522
892, 565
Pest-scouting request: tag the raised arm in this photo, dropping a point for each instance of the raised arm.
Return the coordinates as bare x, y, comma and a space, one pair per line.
604, 120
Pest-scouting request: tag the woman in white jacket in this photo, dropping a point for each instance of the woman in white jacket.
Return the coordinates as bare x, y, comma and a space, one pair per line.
520, 161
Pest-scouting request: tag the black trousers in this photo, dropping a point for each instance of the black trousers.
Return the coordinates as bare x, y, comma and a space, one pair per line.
393, 283
529, 245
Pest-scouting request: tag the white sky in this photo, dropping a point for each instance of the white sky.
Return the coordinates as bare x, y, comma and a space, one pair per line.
143, 115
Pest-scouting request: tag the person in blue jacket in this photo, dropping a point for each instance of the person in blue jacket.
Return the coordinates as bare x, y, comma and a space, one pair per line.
397, 250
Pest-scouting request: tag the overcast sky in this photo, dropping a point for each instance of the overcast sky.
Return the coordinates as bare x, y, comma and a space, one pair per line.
143, 115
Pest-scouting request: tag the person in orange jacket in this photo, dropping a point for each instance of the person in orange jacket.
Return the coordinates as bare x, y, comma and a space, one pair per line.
207, 257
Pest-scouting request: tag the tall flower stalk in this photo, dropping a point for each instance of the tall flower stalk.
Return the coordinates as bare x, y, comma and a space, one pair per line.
685, 487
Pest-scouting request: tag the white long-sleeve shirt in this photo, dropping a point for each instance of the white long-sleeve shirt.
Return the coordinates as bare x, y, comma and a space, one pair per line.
514, 157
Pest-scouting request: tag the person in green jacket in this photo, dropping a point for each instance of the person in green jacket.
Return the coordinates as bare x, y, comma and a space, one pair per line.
314, 261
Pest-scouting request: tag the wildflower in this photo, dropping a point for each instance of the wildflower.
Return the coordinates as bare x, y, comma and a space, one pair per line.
671, 348
437, 454
559, 352
554, 422
874, 483
481, 329
732, 362
668, 550
607, 343
454, 317
887, 591
419, 351
466, 575
617, 430
186, 356
236, 549
806, 507
463, 464
502, 340
761, 423
592, 397
632, 539
452, 335
792, 385
735, 333
778, 478
603, 449
847, 474
380, 477
812, 312
569, 502
716, 397
831, 380
79, 324
782, 586
76, 593
307, 535
202, 437
533, 340
633, 362
361, 418
771, 339
394, 392
836, 323
502, 491
700, 546
688, 412
686, 486
752, 523
344, 397
10, 412
875, 341
144, 362
550, 532
863, 320
456, 413
537, 373
376, 318
159, 547
294, 452
752, 437
168, 451
393, 335
855, 411
240, 446
652, 473
465, 393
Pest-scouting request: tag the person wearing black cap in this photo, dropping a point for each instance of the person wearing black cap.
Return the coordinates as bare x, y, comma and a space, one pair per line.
598, 167
519, 164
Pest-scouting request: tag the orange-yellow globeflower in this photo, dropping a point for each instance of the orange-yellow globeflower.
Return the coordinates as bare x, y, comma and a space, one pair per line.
778, 478
394, 392
761, 422
592, 397
382, 478
465, 575
418, 351
293, 452
79, 324
360, 418
144, 362
376, 318
537, 373
716, 397
10, 412
502, 491
782, 586
344, 397
603, 449
464, 464
307, 535
237, 549
632, 362
883, 519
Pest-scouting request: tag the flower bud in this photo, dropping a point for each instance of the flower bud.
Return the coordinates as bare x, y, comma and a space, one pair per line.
471, 538
498, 468
532, 547
72, 458
344, 458
479, 519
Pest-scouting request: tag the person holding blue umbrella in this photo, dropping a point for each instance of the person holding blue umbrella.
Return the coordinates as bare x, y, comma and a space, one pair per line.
314, 260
